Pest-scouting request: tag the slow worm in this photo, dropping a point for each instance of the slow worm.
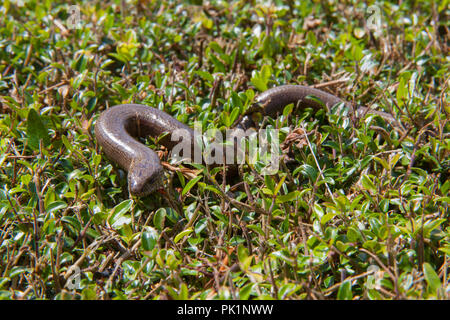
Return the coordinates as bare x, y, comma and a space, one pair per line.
118, 127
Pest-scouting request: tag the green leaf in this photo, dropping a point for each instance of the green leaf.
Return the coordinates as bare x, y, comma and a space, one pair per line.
56, 205
430, 225
445, 187
234, 115
72, 221
352, 234
36, 130
159, 218
443, 5
80, 64
318, 211
190, 184
89, 294
261, 78
368, 184
182, 234
184, 294
219, 66
205, 76
119, 211
67, 143
309, 171
242, 253
149, 238
16, 270
282, 255
200, 225
382, 162
213, 189
402, 92
259, 83
267, 191
277, 188
431, 277
327, 218
244, 259
345, 291
245, 291
266, 72
446, 250
288, 109
288, 197
123, 207
384, 205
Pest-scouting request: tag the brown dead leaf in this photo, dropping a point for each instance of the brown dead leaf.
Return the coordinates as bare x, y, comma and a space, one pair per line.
64, 90
297, 136
311, 23
142, 95
190, 110
186, 172
224, 262
85, 124
64, 31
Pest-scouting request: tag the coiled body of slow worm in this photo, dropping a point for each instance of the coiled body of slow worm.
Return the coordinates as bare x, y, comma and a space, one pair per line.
118, 126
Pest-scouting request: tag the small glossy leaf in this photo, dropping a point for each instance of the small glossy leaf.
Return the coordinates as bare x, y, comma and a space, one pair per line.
149, 238
190, 184
345, 291
36, 130
431, 277
182, 234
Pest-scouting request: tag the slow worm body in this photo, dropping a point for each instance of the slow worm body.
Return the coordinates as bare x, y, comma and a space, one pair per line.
118, 127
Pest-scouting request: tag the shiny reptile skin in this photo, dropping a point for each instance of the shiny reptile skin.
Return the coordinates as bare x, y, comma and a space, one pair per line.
118, 128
